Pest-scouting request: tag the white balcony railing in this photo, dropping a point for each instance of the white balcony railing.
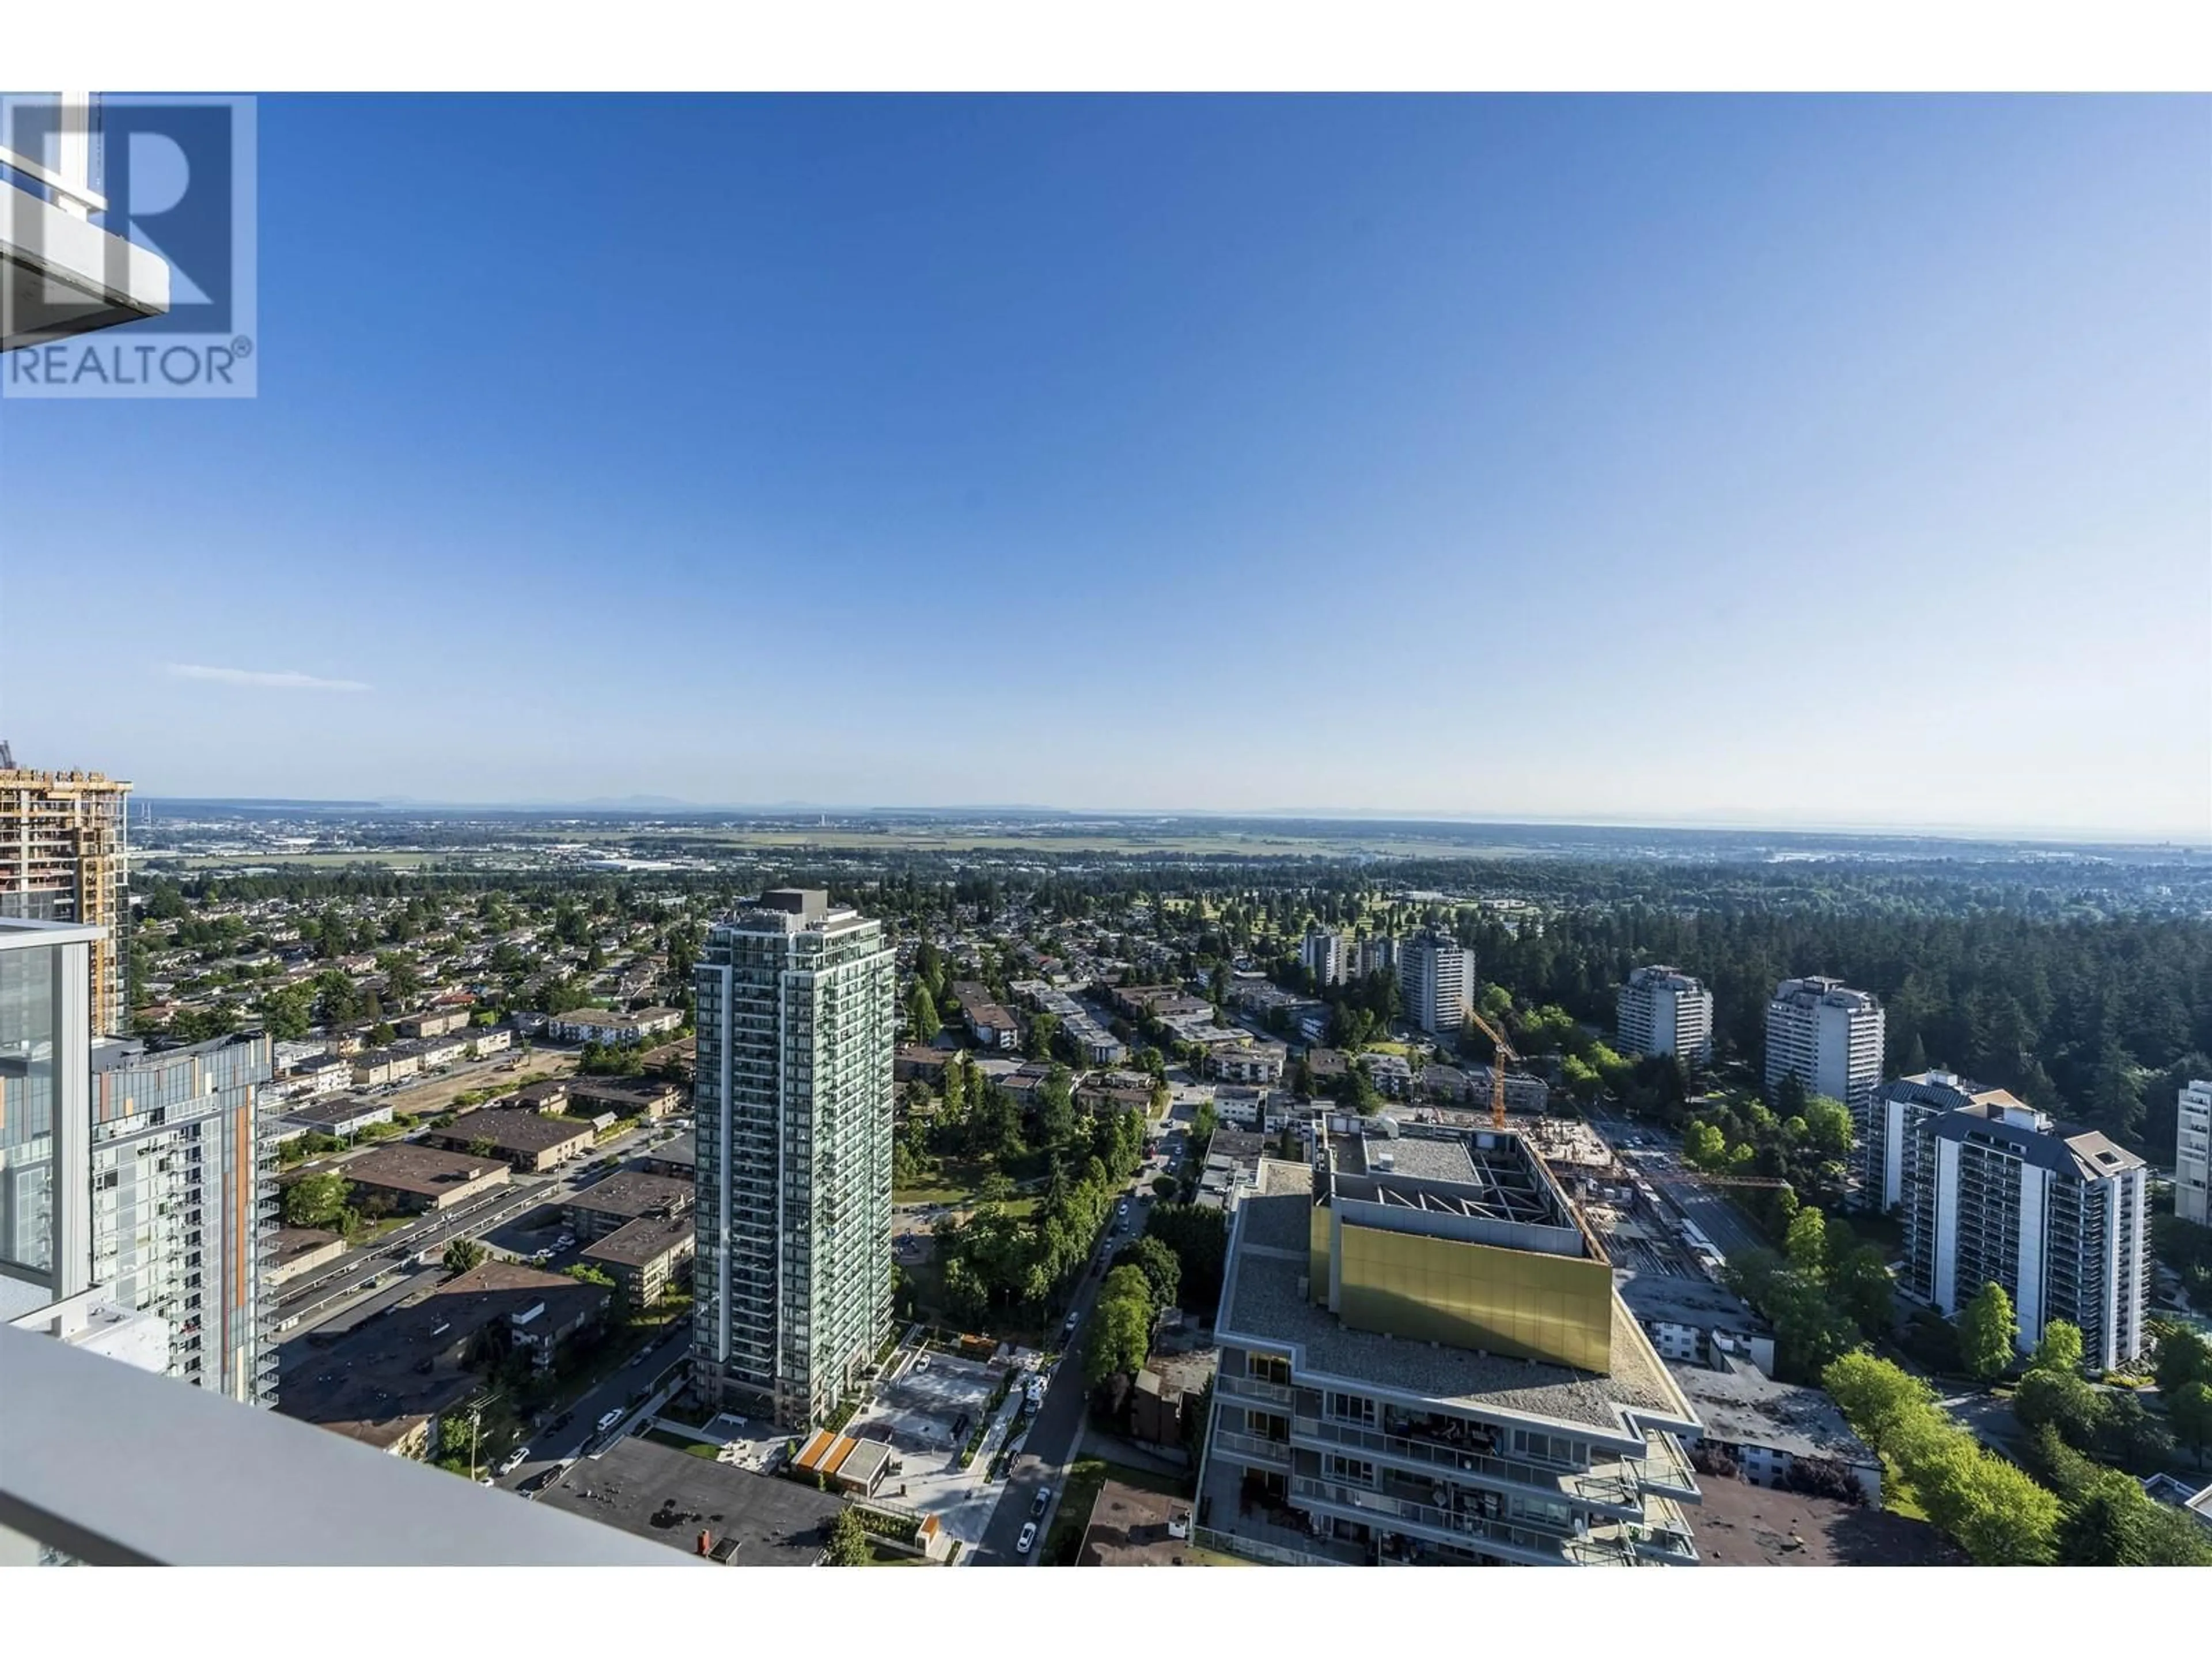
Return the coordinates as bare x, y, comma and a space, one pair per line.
69, 182
60, 274
118, 1467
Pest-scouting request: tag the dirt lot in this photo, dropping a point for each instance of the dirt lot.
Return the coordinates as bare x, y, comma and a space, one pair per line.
1741, 1525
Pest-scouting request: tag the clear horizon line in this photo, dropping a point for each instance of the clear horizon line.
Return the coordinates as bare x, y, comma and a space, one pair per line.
1718, 822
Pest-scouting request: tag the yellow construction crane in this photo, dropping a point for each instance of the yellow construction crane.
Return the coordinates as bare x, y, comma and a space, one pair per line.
1496, 1068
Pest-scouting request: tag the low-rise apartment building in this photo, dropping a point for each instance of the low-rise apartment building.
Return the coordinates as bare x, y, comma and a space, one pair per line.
1423, 1361
625, 1196
1250, 1061
530, 1142
343, 1116
647, 1098
991, 1025
434, 1022
485, 1041
424, 1178
610, 1028
646, 1257
375, 1067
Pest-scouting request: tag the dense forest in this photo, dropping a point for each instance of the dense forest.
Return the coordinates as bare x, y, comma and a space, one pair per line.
2099, 1022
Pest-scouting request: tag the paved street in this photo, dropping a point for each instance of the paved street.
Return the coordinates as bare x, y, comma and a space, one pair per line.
1661, 1164
1057, 1431
550, 1448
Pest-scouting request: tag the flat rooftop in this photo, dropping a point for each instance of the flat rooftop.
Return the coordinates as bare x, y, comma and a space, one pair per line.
522, 1131
1743, 1406
647, 1239
1264, 1300
384, 1375
634, 1193
342, 1109
1680, 1299
423, 1170
671, 1496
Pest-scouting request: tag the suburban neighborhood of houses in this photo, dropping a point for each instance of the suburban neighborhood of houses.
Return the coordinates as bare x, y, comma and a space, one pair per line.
1265, 1222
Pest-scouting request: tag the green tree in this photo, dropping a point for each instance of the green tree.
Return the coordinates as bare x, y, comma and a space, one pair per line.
849, 1541
2183, 1357
584, 1273
316, 1200
1986, 1328
1704, 1145
2006, 1519
1163, 1272
1829, 1124
1043, 1028
2059, 1349
2189, 1409
921, 1014
1880, 1399
462, 1255
2060, 1399
1121, 1337
1861, 1283
1807, 1244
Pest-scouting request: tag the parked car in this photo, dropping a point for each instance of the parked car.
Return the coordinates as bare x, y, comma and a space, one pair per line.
513, 1459
610, 1419
1043, 1498
922, 1363
1073, 1320
1023, 1544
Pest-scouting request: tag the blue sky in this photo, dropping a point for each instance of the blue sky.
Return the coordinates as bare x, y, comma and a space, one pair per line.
1841, 461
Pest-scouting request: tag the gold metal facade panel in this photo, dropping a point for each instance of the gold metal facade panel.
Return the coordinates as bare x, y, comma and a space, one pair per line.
1520, 1302
1317, 1254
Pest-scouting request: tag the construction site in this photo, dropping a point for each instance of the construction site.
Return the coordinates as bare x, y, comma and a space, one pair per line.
64, 856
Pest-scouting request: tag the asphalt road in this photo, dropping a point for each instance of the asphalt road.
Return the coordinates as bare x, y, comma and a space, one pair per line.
1058, 1430
1661, 1164
329, 1286
551, 1447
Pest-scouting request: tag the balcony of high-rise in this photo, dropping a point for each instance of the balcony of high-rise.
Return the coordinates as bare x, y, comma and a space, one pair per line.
61, 272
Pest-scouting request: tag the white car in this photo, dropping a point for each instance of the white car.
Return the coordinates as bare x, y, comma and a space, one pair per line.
610, 1419
922, 1364
513, 1459
1122, 1208
1027, 1540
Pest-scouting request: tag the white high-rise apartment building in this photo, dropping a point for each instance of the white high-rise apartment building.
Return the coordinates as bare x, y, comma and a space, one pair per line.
1830, 1038
1435, 981
1663, 1010
797, 1022
1991, 1191
2193, 1165
1324, 955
